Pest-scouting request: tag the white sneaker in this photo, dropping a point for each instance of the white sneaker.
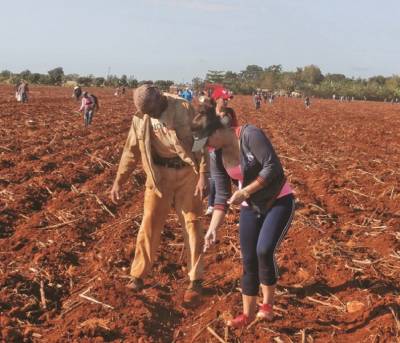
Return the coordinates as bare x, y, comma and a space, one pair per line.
209, 210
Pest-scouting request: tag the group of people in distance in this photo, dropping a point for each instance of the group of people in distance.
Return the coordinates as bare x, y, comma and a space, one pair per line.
179, 145
259, 95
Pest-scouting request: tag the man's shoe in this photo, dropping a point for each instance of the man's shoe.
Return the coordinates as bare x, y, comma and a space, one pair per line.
193, 293
135, 284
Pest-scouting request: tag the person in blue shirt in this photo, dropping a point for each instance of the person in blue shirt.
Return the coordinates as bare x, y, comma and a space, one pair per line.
187, 94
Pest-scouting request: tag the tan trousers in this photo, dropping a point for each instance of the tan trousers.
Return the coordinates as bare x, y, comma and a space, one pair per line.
177, 187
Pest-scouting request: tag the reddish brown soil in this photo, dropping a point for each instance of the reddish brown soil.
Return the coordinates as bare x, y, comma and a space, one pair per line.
57, 234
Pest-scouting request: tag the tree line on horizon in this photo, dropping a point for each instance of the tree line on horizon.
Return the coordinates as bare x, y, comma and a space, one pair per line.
308, 81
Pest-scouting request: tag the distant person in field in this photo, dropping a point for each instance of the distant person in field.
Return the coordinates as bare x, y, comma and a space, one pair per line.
22, 92
257, 100
77, 92
187, 94
89, 106
264, 96
271, 98
244, 155
16, 91
307, 102
123, 90
176, 177
118, 91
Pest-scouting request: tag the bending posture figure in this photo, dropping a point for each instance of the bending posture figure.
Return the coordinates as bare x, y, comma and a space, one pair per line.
176, 177
245, 155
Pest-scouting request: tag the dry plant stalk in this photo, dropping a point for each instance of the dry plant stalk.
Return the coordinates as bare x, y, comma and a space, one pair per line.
357, 192
59, 225
42, 295
95, 322
255, 321
202, 329
340, 308
396, 320
84, 296
303, 336
104, 207
215, 335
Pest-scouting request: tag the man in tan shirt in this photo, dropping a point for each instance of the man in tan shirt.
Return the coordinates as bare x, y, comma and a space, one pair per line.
161, 134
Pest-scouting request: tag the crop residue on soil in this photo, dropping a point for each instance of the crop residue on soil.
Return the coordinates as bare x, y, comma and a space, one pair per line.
65, 249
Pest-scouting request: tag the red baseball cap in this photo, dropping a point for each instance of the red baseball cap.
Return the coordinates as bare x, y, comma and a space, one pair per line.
220, 92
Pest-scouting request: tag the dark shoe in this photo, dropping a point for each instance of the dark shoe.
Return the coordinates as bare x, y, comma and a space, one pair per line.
135, 284
193, 293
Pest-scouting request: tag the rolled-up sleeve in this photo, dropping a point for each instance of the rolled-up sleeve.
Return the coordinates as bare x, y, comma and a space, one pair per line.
222, 181
130, 152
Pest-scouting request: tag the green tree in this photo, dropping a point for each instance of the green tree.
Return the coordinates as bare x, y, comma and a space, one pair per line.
312, 74
35, 78
215, 76
85, 81
164, 84
5, 74
132, 82
288, 82
145, 82
123, 81
44, 79
252, 73
197, 84
56, 76
25, 75
335, 77
268, 81
112, 81
99, 81
232, 81
275, 68
380, 80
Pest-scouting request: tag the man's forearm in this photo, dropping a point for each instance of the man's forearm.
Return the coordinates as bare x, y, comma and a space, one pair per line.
125, 169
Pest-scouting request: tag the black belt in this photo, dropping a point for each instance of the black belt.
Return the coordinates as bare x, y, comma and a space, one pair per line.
172, 162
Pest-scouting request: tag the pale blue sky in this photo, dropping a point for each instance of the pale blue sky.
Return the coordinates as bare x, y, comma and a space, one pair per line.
177, 40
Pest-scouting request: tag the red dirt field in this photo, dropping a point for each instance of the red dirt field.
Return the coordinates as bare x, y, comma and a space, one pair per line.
63, 243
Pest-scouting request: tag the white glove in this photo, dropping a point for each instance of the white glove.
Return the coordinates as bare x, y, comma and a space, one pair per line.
209, 238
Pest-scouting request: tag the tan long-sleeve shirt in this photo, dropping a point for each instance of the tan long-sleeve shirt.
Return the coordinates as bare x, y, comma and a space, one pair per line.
176, 139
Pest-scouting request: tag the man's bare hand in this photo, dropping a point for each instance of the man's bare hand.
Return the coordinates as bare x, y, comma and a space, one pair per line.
202, 186
115, 193
209, 238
